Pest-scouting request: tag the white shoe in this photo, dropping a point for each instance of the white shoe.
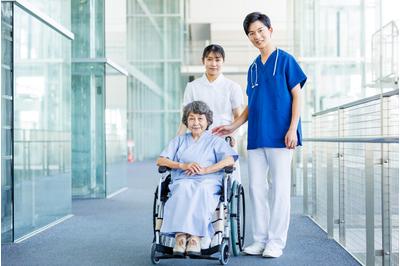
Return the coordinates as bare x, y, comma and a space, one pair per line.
272, 252
214, 241
205, 242
254, 249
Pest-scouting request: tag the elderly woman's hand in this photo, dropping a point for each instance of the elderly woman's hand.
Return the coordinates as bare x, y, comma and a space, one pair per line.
190, 168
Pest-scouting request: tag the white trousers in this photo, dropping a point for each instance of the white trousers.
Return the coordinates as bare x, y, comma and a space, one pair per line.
270, 202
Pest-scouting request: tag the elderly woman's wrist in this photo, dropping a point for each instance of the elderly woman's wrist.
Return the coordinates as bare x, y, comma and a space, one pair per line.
206, 170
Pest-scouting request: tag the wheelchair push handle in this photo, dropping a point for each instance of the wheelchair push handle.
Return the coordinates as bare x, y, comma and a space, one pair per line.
163, 169
229, 169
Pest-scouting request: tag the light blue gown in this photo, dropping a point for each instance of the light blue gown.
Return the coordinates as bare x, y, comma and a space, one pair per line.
193, 199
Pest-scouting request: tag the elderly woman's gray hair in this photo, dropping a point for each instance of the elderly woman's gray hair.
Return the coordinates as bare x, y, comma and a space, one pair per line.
200, 108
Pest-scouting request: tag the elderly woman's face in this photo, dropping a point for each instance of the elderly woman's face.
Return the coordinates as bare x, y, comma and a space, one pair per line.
197, 123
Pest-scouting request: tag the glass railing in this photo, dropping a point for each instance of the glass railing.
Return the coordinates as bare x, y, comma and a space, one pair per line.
348, 172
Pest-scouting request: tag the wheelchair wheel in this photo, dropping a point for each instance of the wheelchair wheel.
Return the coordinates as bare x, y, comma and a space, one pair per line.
224, 253
153, 257
237, 219
154, 212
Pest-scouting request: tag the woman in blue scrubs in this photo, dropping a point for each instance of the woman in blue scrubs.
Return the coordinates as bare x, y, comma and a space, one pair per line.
274, 83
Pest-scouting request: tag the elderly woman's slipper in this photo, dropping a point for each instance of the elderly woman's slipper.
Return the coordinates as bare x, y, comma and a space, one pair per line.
180, 244
193, 246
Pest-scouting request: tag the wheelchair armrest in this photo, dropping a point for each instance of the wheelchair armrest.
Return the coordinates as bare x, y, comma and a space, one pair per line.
163, 169
229, 169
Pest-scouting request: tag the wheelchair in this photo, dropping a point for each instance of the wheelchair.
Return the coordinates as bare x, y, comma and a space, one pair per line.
229, 219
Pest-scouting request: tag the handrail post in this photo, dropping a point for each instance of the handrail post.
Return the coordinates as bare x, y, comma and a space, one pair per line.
305, 180
369, 204
329, 195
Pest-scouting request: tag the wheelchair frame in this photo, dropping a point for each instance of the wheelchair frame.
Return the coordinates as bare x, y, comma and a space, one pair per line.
232, 203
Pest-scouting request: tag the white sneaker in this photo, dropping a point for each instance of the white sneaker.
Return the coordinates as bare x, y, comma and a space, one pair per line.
254, 249
272, 252
214, 241
205, 242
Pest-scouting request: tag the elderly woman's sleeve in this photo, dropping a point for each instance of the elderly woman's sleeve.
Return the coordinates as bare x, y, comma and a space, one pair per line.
172, 148
223, 150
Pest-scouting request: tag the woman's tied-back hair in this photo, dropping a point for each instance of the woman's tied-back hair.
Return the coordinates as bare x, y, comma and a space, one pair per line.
200, 108
213, 48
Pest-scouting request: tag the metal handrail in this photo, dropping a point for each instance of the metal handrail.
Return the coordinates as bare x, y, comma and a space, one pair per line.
355, 140
358, 102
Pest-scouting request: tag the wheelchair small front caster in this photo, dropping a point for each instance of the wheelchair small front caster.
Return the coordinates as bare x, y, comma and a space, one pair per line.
154, 259
224, 253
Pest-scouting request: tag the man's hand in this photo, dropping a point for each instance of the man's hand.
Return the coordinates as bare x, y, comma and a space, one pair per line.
291, 139
223, 130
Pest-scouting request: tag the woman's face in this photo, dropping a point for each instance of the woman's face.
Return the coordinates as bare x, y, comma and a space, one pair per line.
213, 64
197, 123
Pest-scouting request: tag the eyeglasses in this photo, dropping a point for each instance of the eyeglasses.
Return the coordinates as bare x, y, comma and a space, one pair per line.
260, 31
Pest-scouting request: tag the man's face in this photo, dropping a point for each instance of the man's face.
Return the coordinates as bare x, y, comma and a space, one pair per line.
213, 64
259, 34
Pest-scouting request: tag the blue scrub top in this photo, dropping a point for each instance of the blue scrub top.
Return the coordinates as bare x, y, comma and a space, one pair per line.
270, 103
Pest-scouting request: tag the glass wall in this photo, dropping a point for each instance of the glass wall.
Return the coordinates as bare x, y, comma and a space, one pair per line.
6, 122
99, 149
115, 128
88, 145
59, 10
118, 154
42, 127
88, 27
340, 47
88, 88
155, 47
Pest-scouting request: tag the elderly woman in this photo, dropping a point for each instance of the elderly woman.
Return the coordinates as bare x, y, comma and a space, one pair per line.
196, 159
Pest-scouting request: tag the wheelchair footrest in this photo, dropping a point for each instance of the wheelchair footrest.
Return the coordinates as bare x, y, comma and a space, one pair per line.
164, 249
204, 252
210, 251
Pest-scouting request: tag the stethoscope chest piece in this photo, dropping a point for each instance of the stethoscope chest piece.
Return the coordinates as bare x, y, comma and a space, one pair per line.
254, 83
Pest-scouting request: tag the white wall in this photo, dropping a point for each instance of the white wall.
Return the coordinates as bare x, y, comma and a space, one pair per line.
115, 24
226, 19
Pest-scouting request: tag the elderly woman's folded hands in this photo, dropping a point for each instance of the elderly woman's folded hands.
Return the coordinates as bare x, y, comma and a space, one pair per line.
193, 169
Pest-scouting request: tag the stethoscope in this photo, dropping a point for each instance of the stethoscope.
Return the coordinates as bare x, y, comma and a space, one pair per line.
254, 65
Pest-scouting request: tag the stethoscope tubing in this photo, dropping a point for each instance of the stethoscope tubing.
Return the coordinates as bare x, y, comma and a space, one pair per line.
254, 65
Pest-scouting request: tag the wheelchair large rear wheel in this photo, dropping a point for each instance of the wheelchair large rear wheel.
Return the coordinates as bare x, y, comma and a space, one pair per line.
238, 218
154, 212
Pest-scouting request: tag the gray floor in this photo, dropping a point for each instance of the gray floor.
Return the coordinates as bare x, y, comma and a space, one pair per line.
118, 231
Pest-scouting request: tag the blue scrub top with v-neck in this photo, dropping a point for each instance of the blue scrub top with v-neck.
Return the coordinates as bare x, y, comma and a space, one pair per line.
270, 100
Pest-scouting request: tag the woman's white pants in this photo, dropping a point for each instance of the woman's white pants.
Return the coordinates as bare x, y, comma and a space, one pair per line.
270, 200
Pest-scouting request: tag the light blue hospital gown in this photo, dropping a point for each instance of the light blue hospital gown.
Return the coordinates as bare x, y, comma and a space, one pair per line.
194, 199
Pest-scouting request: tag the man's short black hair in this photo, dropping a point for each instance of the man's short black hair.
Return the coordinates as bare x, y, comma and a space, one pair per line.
253, 17
213, 48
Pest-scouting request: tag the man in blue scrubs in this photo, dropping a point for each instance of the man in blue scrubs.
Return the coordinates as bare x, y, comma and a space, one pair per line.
274, 83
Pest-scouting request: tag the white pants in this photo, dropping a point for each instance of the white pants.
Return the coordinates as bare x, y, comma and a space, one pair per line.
270, 221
